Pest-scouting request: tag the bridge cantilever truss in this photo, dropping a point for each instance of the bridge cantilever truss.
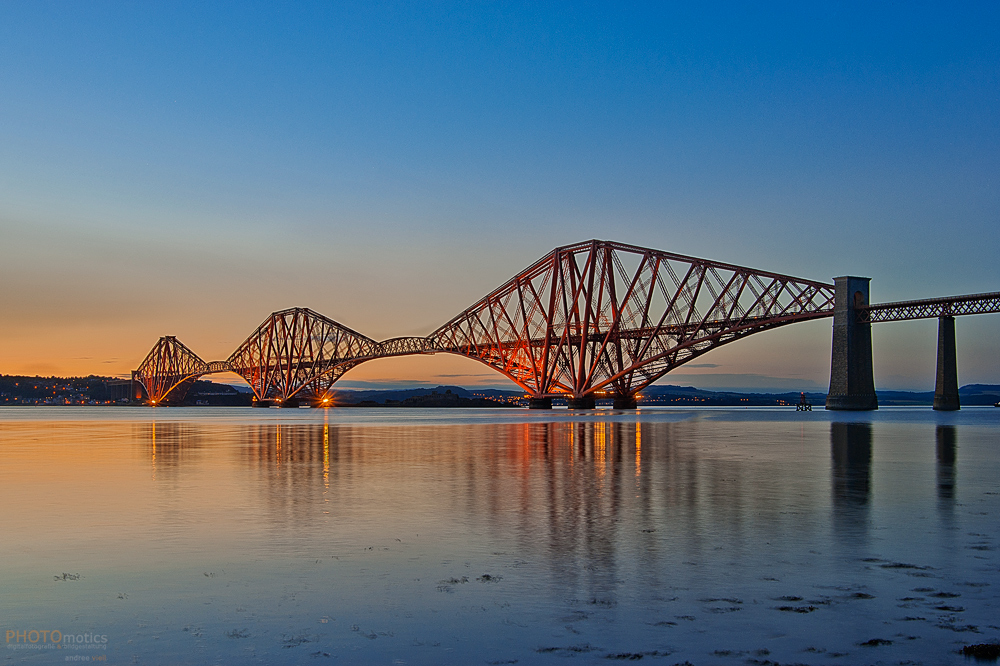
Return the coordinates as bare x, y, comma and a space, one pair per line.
298, 352
295, 354
594, 317
607, 317
168, 371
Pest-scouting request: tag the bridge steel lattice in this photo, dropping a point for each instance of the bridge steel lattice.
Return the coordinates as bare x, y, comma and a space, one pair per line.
931, 308
298, 353
168, 371
604, 317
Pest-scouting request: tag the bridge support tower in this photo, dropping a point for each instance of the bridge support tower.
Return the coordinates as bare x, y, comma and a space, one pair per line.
946, 381
852, 380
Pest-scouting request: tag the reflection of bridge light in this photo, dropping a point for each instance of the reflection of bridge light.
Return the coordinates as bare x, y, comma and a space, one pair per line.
154, 450
638, 449
326, 459
600, 442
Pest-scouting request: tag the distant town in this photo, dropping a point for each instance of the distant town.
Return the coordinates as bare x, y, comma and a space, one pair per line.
96, 390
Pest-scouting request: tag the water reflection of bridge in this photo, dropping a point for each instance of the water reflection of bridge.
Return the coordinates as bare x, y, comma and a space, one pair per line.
574, 494
609, 453
587, 500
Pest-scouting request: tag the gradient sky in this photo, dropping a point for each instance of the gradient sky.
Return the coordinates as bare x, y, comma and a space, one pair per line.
187, 168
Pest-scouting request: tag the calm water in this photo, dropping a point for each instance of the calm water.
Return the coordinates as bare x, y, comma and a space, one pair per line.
200, 536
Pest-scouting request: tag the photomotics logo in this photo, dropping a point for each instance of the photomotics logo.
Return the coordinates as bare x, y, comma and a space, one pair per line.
54, 639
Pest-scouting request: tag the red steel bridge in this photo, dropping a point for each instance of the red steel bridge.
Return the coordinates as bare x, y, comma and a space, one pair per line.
594, 318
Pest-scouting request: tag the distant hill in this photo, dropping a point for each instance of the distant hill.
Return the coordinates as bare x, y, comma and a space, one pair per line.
972, 394
969, 395
979, 394
440, 396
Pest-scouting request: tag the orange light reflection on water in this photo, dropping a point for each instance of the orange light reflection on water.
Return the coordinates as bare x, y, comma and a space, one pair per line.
638, 449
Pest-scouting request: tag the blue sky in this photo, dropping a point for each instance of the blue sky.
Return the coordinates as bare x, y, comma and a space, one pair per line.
187, 168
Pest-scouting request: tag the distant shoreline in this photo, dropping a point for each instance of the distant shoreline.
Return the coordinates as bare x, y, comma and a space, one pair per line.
95, 390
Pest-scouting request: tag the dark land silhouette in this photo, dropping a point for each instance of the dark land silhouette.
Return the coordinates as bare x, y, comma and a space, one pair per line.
98, 390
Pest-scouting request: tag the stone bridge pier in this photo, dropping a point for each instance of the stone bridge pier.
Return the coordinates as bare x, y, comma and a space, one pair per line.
852, 380
946, 379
